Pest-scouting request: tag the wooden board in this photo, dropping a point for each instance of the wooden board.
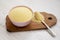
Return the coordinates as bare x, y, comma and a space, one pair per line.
49, 19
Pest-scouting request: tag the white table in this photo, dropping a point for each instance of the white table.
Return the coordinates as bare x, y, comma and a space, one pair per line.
51, 6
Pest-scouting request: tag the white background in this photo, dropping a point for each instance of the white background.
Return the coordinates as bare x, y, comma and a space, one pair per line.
50, 6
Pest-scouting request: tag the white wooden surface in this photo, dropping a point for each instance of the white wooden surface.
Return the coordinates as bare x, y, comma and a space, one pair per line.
51, 6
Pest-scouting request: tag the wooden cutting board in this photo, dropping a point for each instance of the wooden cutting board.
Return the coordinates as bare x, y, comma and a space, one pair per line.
49, 19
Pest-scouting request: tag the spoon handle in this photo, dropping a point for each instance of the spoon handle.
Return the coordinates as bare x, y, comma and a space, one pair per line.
51, 32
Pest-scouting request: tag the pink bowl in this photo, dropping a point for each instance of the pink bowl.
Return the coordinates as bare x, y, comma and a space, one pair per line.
21, 24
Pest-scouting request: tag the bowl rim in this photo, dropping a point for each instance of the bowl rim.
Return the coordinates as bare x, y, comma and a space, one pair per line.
21, 6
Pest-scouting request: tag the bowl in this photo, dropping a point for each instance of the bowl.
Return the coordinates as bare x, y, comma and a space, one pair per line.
20, 16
